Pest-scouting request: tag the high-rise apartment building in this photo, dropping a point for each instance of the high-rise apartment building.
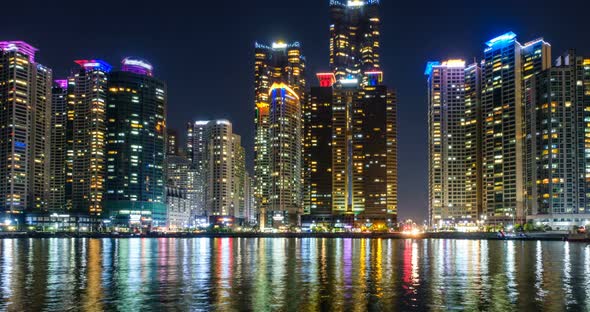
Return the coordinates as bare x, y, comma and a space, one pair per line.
196, 148
317, 147
472, 142
285, 123
88, 130
25, 101
350, 135
506, 69
250, 212
557, 112
280, 66
238, 177
374, 151
350, 149
135, 146
219, 160
354, 37
58, 149
453, 95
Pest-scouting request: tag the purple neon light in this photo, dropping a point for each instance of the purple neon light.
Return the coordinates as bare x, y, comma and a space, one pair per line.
137, 66
62, 83
21, 47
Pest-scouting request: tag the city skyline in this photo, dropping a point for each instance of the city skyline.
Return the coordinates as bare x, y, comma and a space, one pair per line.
57, 53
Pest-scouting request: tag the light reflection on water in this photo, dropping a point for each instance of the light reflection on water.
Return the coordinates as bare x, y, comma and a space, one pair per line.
265, 274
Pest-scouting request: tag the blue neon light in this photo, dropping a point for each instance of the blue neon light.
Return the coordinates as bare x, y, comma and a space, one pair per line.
429, 67
20, 144
103, 66
507, 37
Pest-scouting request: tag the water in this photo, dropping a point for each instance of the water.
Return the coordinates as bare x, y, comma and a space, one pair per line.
275, 274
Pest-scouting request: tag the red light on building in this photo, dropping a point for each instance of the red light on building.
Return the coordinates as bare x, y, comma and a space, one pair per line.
326, 79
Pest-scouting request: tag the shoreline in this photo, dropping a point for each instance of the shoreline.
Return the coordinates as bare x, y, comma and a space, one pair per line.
543, 236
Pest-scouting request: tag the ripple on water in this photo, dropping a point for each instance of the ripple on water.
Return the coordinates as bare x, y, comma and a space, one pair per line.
261, 274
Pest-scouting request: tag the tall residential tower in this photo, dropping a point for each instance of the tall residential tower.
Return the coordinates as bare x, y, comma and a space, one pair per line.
279, 90
506, 69
219, 160
135, 146
25, 102
354, 37
88, 126
453, 140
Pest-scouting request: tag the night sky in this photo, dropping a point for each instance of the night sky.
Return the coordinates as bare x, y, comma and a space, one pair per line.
204, 51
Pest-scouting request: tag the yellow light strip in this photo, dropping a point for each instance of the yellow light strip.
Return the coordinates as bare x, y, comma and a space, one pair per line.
282, 86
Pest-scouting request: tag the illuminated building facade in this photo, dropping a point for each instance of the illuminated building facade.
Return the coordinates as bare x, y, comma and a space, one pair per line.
58, 149
171, 142
506, 68
135, 148
285, 132
351, 149
197, 138
88, 126
238, 177
557, 115
182, 175
250, 212
350, 155
354, 37
25, 99
472, 143
178, 212
40, 136
374, 152
341, 154
317, 147
453, 94
280, 63
219, 158
218, 169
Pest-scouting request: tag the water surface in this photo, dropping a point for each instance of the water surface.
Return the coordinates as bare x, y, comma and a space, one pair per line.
289, 274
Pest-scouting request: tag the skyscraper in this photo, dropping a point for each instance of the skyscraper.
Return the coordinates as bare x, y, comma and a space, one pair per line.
88, 130
238, 177
197, 139
219, 160
285, 201
503, 85
136, 122
218, 168
58, 150
279, 65
556, 111
472, 141
354, 37
374, 151
25, 99
350, 142
317, 148
452, 121
250, 212
351, 149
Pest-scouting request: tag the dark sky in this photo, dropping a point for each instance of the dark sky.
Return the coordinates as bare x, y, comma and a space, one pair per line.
204, 50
